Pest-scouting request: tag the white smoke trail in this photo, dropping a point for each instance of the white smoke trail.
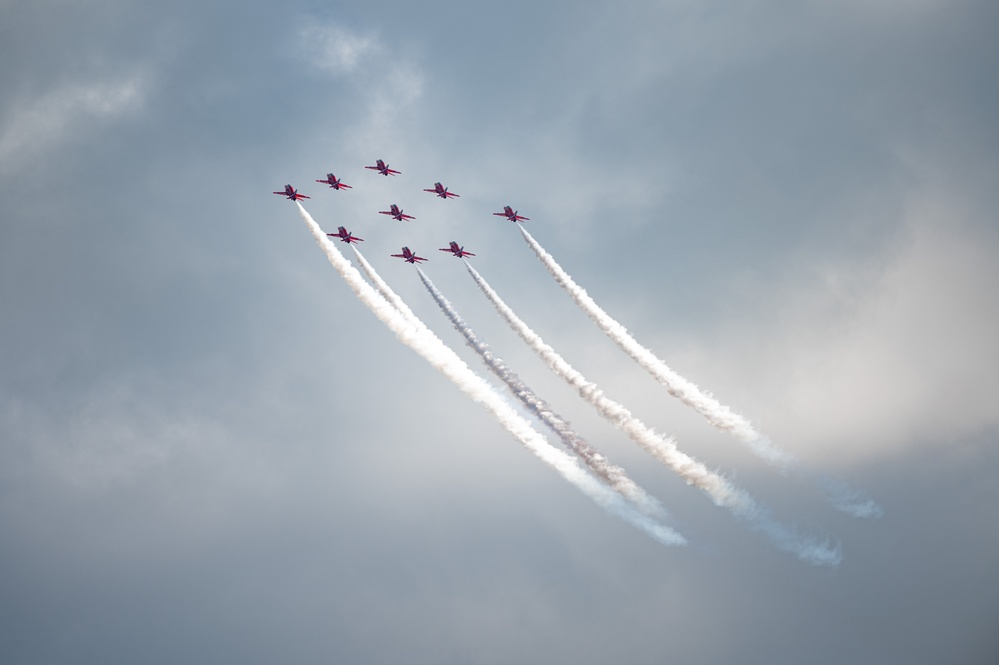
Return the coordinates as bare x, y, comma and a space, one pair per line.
664, 449
612, 474
840, 495
441, 357
385, 289
717, 414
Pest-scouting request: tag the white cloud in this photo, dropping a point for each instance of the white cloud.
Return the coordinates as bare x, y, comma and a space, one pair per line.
390, 98
39, 124
383, 84
334, 49
851, 359
109, 440
920, 358
866, 361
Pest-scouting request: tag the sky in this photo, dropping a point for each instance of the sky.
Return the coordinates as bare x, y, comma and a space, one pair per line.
212, 451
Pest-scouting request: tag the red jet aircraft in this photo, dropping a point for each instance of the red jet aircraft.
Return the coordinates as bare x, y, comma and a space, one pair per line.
292, 193
396, 213
511, 214
382, 168
334, 182
344, 235
409, 256
457, 251
441, 191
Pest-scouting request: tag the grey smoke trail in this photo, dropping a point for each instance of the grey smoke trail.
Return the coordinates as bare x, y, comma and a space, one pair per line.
841, 496
613, 475
664, 449
441, 357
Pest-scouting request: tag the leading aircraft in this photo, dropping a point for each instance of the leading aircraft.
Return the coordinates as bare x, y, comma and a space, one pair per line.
441, 191
396, 213
457, 251
345, 235
409, 256
334, 182
382, 168
292, 193
511, 214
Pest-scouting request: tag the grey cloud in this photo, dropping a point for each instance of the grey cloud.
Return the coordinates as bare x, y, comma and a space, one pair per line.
211, 451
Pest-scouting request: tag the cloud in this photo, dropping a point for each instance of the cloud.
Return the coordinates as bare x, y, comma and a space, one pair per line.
916, 358
381, 83
867, 356
334, 49
39, 124
110, 438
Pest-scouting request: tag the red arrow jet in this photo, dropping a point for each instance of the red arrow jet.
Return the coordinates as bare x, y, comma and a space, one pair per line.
382, 168
409, 256
396, 213
457, 251
441, 191
292, 193
344, 235
511, 214
334, 182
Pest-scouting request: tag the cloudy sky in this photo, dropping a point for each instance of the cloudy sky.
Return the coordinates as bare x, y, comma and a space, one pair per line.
212, 451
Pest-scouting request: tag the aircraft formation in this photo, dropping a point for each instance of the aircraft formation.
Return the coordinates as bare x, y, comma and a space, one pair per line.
607, 484
397, 213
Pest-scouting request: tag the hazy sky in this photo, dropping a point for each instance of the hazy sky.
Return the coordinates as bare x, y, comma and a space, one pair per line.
211, 451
